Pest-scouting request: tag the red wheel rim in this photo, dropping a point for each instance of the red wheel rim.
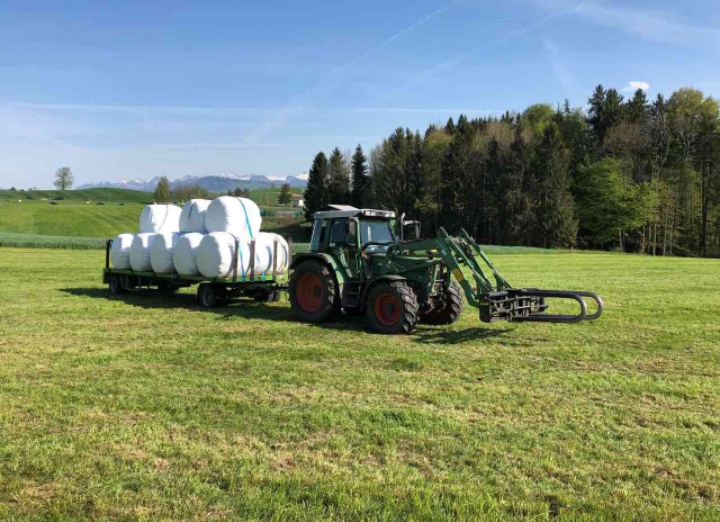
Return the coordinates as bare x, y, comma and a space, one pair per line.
387, 309
310, 292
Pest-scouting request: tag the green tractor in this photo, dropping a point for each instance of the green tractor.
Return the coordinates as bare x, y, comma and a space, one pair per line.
368, 261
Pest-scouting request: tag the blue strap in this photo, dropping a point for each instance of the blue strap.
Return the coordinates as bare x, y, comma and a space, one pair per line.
242, 263
247, 219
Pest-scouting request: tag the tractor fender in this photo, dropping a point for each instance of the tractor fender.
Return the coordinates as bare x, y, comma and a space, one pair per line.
326, 260
374, 282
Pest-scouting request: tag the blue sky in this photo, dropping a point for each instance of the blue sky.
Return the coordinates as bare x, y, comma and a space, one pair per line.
137, 89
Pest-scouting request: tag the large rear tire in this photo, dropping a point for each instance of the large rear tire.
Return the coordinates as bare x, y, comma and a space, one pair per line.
451, 309
314, 295
392, 308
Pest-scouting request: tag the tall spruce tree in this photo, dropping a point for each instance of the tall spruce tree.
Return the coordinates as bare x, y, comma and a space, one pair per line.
456, 173
338, 182
556, 225
315, 194
637, 107
360, 181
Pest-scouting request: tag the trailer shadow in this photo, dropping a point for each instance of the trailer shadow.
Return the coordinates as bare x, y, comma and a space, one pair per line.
239, 308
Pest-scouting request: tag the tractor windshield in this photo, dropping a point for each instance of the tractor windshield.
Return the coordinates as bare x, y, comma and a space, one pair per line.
375, 231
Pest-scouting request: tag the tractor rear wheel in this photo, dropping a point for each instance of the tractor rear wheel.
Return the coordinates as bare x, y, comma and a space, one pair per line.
451, 309
392, 308
314, 295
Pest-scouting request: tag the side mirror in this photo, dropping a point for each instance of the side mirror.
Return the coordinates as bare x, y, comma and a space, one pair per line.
411, 230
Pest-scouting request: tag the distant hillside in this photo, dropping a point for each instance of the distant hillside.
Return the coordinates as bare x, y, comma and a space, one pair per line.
74, 217
69, 218
218, 183
95, 194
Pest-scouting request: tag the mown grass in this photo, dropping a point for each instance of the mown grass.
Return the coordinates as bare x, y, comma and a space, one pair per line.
147, 407
9, 239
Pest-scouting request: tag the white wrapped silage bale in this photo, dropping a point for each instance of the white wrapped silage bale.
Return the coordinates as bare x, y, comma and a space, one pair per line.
120, 251
216, 254
140, 252
192, 218
161, 253
264, 249
185, 254
160, 219
237, 216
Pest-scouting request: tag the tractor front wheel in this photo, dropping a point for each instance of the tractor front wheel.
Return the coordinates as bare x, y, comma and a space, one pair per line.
392, 308
450, 310
314, 295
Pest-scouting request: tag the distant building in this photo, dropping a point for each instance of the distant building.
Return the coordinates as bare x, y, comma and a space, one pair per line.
298, 201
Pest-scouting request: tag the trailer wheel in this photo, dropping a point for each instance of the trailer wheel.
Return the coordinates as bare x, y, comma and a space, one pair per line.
115, 286
314, 295
392, 308
166, 287
450, 310
270, 296
208, 296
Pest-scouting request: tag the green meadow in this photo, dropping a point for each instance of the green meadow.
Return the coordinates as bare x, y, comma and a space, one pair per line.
147, 407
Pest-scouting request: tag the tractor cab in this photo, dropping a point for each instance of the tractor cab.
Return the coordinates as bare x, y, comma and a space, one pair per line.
353, 237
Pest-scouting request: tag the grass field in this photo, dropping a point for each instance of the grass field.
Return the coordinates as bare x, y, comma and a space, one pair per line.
96, 194
147, 407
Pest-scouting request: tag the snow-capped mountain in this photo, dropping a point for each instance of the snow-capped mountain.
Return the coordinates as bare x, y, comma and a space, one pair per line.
214, 183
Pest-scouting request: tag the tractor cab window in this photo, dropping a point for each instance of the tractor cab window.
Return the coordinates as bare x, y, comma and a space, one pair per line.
376, 231
338, 232
318, 235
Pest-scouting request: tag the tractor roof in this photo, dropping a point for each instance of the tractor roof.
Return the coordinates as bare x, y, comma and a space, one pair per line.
345, 211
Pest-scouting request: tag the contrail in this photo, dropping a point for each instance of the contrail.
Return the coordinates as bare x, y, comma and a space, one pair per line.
280, 119
460, 57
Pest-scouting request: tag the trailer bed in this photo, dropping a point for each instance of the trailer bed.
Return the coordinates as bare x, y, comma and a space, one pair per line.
212, 292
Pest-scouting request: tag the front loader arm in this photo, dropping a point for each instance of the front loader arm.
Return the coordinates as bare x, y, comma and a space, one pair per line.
500, 301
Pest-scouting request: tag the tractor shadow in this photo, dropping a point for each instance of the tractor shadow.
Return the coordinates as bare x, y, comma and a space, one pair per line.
441, 335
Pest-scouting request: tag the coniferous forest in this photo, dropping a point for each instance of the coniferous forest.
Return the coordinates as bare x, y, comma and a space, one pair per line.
634, 174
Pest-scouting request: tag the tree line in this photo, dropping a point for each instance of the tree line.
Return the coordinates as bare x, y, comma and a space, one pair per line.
634, 175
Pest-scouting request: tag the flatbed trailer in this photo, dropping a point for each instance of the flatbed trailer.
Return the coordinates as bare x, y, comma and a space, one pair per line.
211, 292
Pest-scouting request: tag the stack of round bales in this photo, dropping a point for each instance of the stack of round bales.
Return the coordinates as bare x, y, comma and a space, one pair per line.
203, 238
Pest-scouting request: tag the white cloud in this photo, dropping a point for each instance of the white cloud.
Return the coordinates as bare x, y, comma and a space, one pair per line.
634, 86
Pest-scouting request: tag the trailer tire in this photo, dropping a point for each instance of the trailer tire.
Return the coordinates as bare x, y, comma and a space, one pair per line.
392, 308
166, 287
314, 295
271, 296
451, 309
115, 286
208, 296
